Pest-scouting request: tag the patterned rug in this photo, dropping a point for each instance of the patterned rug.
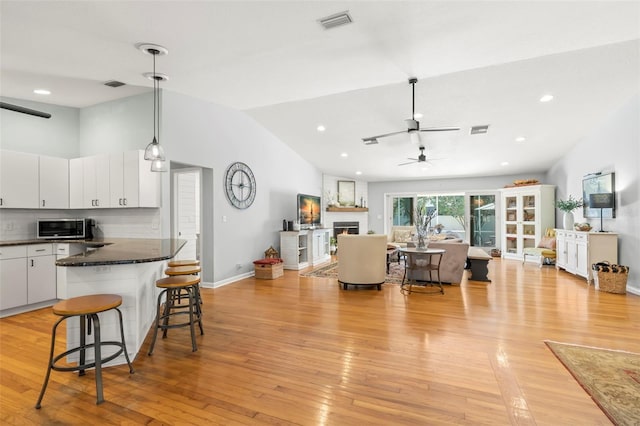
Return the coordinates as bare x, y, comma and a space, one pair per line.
396, 271
611, 378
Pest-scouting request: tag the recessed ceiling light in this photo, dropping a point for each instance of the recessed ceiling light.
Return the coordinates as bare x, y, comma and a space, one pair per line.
546, 98
504, 163
321, 128
520, 139
42, 92
344, 155
358, 172
417, 116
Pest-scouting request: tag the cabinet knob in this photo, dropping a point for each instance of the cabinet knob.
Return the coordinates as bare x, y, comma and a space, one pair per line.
42, 203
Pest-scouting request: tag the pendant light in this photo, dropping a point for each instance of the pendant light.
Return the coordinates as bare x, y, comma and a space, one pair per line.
154, 151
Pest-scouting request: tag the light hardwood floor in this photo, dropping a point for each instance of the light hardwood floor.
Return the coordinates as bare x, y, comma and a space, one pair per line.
302, 351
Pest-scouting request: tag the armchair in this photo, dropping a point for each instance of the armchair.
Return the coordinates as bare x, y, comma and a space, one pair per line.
362, 259
546, 248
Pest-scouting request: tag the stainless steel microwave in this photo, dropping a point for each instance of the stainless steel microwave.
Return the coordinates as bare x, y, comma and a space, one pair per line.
55, 229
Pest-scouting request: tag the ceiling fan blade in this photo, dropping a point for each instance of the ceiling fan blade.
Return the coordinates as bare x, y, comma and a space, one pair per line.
439, 129
407, 163
371, 138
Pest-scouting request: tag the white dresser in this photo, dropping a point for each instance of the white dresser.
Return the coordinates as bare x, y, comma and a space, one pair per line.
576, 251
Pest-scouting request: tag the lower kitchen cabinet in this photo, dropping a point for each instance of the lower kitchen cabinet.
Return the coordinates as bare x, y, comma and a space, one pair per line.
13, 277
41, 273
27, 277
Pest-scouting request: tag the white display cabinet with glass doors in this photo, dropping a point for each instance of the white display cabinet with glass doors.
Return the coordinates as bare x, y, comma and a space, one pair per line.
527, 211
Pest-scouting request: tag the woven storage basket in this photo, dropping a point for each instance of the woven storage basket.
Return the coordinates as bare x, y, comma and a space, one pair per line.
610, 278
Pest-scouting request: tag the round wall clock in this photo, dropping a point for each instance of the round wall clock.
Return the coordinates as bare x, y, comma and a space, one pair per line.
240, 185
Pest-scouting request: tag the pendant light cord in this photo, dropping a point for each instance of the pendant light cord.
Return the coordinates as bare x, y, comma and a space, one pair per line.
155, 82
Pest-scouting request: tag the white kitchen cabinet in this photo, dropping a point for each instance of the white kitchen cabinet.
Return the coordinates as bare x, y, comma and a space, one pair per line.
41, 273
527, 212
294, 249
577, 250
132, 183
13, 276
319, 244
18, 180
89, 182
27, 277
54, 182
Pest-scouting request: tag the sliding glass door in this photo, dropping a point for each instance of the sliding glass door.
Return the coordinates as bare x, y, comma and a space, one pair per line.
481, 216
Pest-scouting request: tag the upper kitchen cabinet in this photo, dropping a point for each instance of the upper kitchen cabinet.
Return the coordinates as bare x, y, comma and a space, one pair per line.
18, 180
132, 183
54, 183
89, 182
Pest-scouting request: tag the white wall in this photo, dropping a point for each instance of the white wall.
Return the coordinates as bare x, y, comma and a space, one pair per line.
56, 136
203, 134
613, 147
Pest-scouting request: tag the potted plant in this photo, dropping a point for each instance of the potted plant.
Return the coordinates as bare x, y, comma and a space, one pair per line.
568, 206
333, 244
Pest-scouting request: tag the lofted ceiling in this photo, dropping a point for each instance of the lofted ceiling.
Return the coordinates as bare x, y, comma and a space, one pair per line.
477, 62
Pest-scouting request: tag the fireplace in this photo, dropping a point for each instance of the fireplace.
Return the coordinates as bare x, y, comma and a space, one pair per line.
345, 228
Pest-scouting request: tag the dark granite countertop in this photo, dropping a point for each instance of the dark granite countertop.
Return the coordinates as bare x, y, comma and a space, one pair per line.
114, 251
121, 251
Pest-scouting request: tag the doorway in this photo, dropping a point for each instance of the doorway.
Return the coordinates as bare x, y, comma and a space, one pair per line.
192, 215
187, 211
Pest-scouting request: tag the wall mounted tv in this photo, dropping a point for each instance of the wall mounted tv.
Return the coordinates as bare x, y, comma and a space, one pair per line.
309, 211
599, 187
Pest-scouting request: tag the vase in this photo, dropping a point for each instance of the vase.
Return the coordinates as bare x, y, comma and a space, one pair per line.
422, 234
567, 220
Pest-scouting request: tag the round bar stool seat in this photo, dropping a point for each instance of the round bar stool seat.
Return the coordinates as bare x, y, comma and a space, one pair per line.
172, 288
183, 270
184, 262
87, 308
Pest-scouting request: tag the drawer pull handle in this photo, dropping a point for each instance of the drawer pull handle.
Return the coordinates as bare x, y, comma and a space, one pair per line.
40, 249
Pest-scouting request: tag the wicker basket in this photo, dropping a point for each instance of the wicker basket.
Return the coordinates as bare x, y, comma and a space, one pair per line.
610, 278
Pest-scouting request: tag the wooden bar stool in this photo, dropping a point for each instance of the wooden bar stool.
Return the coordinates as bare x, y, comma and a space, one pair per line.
87, 308
172, 286
184, 267
184, 262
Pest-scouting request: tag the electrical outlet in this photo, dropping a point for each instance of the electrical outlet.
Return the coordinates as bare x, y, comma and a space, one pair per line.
8, 226
238, 265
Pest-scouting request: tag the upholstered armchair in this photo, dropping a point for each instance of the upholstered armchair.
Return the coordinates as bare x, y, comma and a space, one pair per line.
546, 249
362, 259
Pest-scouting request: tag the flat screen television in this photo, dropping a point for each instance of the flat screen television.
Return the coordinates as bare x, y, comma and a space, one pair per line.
309, 211
598, 189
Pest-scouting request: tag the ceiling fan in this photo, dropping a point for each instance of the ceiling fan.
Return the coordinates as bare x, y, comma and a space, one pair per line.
413, 125
421, 159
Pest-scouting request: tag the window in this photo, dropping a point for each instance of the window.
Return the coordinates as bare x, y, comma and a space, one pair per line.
450, 216
402, 211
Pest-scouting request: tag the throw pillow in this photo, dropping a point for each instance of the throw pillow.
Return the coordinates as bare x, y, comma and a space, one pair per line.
402, 235
548, 243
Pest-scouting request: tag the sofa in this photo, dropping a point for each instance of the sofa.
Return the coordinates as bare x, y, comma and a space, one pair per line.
399, 236
453, 261
362, 259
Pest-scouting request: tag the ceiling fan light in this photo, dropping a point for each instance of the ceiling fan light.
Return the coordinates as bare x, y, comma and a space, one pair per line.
159, 166
154, 151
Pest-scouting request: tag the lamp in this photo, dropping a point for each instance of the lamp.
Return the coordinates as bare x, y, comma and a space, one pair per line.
601, 201
154, 151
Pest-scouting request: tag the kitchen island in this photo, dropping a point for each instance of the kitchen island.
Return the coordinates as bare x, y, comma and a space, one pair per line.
127, 267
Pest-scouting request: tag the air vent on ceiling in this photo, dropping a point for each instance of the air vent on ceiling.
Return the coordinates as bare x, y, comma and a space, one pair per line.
479, 130
114, 83
336, 20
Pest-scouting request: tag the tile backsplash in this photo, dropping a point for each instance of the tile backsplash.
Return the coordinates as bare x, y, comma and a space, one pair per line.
20, 224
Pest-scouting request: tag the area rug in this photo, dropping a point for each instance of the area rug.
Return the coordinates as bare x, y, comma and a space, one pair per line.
396, 271
611, 378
